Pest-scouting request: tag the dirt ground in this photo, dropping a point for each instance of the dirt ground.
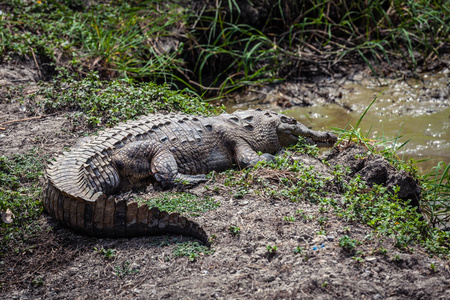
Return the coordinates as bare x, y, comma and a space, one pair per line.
62, 265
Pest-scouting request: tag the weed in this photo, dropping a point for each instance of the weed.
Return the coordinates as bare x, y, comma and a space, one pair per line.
272, 249
397, 258
289, 218
306, 218
124, 270
235, 230
358, 259
38, 281
322, 220
433, 268
382, 251
191, 250
322, 232
302, 147
348, 243
299, 250
107, 253
240, 193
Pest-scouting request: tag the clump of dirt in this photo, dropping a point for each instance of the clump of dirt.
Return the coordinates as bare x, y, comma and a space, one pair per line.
270, 256
375, 169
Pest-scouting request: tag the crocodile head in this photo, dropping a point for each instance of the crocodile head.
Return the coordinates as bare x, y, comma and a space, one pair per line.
289, 130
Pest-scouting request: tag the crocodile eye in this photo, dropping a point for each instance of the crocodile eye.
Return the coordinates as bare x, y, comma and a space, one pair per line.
288, 120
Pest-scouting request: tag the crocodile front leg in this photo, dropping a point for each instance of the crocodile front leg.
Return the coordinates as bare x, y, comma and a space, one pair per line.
246, 156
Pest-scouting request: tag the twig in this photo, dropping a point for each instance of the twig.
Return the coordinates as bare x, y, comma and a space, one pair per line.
26, 119
2, 128
37, 65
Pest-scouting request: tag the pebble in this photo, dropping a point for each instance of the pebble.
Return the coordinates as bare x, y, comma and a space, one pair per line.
371, 259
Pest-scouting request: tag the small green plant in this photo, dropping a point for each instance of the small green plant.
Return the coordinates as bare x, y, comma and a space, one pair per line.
433, 268
107, 253
38, 281
299, 250
124, 270
235, 230
289, 218
272, 249
322, 232
323, 209
322, 220
397, 258
240, 193
303, 147
348, 243
382, 251
325, 284
192, 250
358, 259
305, 217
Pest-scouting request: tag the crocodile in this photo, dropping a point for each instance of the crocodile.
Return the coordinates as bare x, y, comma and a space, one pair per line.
166, 151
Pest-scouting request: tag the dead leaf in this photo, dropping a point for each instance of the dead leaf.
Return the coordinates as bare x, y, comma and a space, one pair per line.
7, 216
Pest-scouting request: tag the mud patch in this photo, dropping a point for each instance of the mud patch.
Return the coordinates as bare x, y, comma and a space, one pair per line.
21, 130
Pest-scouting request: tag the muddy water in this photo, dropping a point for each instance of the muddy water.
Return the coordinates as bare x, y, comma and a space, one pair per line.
416, 109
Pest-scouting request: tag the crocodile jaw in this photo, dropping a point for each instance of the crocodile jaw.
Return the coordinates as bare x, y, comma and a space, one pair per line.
319, 138
292, 132
323, 142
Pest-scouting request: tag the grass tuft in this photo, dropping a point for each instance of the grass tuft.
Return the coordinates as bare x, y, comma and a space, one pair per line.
181, 202
20, 199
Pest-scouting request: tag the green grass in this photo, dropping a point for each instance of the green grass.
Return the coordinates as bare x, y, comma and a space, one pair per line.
110, 102
217, 48
20, 195
436, 195
181, 202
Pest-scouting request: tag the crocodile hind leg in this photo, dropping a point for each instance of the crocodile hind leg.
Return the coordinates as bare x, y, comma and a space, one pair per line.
165, 170
140, 160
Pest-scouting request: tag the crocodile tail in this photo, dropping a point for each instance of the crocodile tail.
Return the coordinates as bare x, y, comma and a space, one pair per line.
110, 217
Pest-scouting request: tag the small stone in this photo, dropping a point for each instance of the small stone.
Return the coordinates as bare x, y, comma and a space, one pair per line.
371, 259
330, 238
